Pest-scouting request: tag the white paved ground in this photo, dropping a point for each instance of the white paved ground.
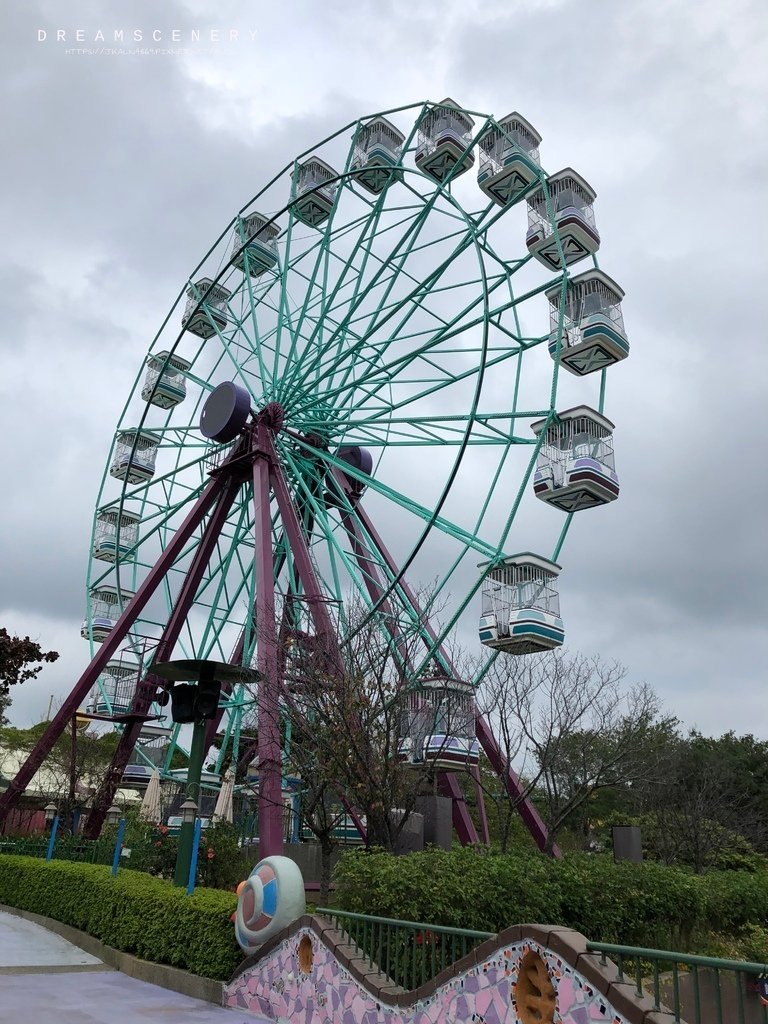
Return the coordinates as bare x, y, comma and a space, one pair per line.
44, 978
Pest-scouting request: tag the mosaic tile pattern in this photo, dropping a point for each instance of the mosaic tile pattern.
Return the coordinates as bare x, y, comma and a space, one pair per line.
328, 994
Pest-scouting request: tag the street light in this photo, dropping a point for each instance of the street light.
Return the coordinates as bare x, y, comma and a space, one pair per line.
50, 813
195, 690
113, 815
188, 812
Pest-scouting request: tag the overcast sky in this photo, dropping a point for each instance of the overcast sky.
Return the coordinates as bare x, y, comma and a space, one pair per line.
119, 169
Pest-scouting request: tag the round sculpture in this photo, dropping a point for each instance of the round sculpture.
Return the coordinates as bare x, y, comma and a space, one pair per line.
269, 899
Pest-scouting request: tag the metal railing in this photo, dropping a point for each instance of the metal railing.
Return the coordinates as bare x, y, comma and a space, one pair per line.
72, 848
409, 952
697, 989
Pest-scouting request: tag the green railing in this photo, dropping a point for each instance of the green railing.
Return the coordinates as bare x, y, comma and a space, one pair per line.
409, 952
72, 848
697, 989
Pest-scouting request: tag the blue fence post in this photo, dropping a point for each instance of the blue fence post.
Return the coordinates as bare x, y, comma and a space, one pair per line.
52, 840
193, 861
118, 846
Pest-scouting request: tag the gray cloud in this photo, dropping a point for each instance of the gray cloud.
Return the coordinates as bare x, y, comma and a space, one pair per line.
119, 172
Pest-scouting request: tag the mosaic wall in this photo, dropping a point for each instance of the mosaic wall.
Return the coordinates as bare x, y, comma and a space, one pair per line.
301, 981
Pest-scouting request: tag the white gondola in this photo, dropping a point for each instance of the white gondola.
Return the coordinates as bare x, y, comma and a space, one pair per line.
165, 384
212, 314
521, 605
575, 468
106, 609
571, 200
437, 726
445, 133
134, 458
114, 689
510, 161
593, 335
378, 145
115, 534
316, 190
255, 245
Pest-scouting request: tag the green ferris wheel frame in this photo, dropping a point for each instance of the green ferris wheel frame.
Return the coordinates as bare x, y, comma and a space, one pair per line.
379, 328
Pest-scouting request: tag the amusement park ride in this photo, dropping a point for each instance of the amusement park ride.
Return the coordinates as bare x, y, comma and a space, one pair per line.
356, 393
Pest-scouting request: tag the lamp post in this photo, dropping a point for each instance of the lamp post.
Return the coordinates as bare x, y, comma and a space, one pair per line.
113, 815
50, 813
195, 705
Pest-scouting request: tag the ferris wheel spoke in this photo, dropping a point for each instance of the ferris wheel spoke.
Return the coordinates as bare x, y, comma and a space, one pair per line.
326, 306
393, 261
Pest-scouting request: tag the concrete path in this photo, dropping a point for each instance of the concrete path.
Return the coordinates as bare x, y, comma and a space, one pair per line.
44, 978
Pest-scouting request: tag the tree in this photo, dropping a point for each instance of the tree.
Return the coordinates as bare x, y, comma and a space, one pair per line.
18, 663
709, 805
69, 780
346, 711
571, 728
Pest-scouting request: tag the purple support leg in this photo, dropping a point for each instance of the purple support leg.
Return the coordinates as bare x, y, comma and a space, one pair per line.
462, 822
480, 798
269, 760
146, 691
514, 787
45, 744
528, 812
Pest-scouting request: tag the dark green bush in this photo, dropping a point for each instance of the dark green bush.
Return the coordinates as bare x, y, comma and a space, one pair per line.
132, 912
637, 904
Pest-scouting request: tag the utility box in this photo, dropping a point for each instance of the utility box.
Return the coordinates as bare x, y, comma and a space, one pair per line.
627, 843
438, 821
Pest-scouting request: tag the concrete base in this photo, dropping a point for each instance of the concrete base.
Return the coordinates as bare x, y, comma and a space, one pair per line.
411, 838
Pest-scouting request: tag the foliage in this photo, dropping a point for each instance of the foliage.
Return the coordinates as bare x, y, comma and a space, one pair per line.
69, 784
571, 728
637, 904
19, 660
131, 912
220, 864
717, 847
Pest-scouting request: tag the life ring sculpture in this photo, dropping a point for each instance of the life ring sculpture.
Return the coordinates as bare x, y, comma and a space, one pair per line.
269, 899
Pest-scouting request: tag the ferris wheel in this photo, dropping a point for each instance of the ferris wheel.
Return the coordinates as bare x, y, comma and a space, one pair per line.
379, 373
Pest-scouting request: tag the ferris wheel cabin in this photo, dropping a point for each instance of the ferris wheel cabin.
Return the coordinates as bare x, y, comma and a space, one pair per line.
521, 605
445, 133
115, 534
510, 161
378, 145
316, 190
255, 245
105, 608
593, 335
211, 317
165, 384
572, 202
134, 458
575, 467
437, 726
114, 689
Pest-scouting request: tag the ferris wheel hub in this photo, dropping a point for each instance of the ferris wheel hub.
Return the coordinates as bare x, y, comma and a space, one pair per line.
272, 416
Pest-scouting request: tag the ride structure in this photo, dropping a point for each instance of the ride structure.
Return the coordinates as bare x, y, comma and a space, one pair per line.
337, 405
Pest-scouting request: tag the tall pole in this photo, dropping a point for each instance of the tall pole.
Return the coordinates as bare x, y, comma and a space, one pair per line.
269, 759
187, 830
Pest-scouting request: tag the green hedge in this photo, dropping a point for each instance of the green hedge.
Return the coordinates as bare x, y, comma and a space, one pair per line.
132, 912
637, 904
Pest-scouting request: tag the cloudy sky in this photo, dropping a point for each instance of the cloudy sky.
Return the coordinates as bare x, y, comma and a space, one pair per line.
119, 169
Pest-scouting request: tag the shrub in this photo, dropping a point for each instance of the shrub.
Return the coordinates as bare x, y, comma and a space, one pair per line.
637, 904
132, 912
